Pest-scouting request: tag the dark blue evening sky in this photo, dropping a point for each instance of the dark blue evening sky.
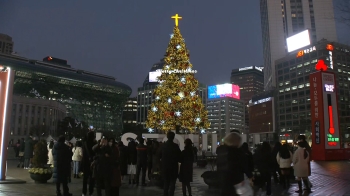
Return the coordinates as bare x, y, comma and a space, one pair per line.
123, 38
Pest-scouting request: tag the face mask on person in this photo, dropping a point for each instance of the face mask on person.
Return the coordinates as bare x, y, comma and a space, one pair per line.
110, 143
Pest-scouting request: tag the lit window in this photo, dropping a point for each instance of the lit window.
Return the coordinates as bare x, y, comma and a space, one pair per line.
287, 89
307, 84
294, 87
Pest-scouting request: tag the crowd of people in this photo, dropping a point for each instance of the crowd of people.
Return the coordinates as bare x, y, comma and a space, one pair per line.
104, 164
237, 165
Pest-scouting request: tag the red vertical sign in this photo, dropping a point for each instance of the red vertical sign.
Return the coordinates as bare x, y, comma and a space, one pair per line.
317, 116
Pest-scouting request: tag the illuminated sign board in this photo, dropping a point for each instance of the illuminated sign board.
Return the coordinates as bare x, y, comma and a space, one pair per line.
153, 76
329, 88
306, 51
224, 90
298, 41
245, 68
262, 100
330, 49
251, 67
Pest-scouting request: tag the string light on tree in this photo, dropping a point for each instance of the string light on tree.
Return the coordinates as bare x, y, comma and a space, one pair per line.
150, 130
183, 80
154, 109
178, 113
181, 95
202, 131
178, 106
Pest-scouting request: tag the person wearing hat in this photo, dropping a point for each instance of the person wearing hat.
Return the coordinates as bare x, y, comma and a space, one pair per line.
186, 168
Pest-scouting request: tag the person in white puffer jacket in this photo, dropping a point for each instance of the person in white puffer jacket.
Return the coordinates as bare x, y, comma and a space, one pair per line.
285, 159
77, 158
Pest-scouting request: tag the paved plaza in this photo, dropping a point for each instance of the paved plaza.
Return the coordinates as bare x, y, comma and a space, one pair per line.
328, 178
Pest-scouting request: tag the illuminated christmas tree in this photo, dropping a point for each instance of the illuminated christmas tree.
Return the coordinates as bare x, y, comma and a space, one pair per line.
177, 105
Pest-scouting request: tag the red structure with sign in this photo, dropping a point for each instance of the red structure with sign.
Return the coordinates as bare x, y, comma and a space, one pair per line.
324, 116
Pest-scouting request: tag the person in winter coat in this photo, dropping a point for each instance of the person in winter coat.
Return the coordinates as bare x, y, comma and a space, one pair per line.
116, 176
141, 162
305, 144
232, 165
88, 157
249, 156
77, 158
103, 167
284, 159
301, 167
149, 158
21, 154
263, 162
28, 151
156, 157
170, 158
275, 167
123, 159
132, 160
186, 168
50, 147
62, 158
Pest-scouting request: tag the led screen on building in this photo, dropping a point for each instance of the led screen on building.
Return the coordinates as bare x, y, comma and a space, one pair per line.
223, 90
152, 77
298, 41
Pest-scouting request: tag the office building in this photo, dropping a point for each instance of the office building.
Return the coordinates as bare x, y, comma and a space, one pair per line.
29, 113
225, 109
293, 89
262, 115
145, 93
6, 44
285, 18
129, 114
93, 98
250, 80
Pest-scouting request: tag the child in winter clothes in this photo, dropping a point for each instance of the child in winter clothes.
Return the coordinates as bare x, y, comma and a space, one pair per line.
76, 158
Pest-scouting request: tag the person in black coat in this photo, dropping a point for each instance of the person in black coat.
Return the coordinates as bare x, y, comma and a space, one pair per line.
275, 167
62, 157
132, 160
170, 158
28, 151
123, 159
232, 164
186, 168
249, 156
141, 162
263, 161
88, 157
103, 167
149, 158
21, 152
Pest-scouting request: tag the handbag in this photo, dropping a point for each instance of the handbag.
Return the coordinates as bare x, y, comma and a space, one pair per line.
21, 154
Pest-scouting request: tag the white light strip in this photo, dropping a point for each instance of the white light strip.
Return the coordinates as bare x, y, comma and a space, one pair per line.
331, 59
4, 122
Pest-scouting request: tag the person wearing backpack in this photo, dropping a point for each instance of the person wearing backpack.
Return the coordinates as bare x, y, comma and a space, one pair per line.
76, 158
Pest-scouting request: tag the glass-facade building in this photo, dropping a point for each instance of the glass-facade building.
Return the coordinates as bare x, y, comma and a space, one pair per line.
293, 87
93, 98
